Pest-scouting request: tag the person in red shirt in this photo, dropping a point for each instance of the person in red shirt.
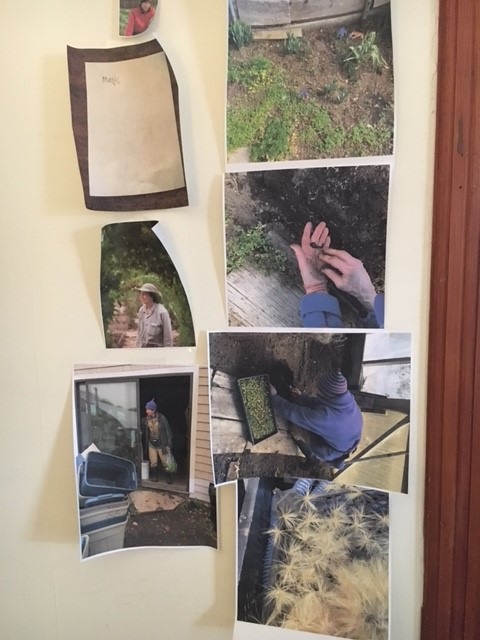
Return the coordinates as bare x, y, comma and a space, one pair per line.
139, 18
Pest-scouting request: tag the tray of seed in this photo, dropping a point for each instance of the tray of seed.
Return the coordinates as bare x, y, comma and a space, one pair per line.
257, 404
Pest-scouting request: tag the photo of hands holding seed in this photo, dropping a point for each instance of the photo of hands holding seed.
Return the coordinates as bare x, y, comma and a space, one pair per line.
306, 247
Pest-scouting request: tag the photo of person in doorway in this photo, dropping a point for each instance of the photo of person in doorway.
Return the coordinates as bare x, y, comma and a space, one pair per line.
157, 433
142, 458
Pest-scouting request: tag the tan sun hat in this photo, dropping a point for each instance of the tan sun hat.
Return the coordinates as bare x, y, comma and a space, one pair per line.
152, 290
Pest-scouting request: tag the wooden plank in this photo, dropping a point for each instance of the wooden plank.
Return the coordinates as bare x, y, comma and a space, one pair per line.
264, 12
259, 300
224, 380
280, 442
301, 11
225, 404
228, 444
203, 436
452, 544
221, 426
277, 34
203, 482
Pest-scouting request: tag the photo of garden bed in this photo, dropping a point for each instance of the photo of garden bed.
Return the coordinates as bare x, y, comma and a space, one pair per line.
316, 92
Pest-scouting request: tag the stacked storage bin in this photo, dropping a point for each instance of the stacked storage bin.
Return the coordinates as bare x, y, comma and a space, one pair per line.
104, 482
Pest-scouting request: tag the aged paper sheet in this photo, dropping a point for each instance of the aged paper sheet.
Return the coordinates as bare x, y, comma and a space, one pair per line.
133, 143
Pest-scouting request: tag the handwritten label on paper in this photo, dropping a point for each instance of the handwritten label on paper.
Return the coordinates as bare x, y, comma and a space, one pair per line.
111, 80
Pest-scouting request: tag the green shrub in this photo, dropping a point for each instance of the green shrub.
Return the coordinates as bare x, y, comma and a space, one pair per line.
292, 45
318, 131
274, 144
252, 74
240, 34
366, 53
244, 125
122, 20
334, 92
252, 245
366, 137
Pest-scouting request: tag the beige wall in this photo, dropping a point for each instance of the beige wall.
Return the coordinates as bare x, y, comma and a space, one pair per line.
49, 254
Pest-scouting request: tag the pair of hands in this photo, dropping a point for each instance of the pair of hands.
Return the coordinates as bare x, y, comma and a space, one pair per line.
319, 263
293, 391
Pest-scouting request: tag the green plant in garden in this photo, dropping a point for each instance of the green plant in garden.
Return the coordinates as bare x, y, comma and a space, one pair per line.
365, 136
243, 123
334, 92
274, 143
365, 53
122, 20
240, 34
252, 74
319, 132
293, 45
252, 245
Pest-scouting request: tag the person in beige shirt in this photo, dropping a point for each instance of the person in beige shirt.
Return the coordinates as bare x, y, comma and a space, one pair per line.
154, 324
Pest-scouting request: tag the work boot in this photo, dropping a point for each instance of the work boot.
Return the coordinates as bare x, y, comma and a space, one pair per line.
155, 473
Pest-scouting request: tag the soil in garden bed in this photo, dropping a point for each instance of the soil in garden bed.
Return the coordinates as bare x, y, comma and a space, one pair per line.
189, 524
297, 359
269, 465
318, 76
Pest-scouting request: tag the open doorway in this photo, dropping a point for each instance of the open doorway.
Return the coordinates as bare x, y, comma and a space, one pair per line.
172, 395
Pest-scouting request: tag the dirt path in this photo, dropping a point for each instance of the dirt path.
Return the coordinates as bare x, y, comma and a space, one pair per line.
176, 521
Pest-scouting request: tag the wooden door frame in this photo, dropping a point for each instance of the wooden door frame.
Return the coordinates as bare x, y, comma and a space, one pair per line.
452, 483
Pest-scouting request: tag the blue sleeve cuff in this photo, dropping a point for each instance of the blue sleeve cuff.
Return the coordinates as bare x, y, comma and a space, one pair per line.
375, 318
320, 310
379, 309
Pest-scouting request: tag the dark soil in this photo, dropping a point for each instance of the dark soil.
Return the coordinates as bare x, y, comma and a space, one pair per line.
298, 359
229, 466
367, 97
192, 523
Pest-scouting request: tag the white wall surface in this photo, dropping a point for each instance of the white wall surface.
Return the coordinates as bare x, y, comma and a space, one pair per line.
50, 319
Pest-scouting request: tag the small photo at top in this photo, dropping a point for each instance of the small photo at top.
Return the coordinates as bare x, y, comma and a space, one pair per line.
136, 17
